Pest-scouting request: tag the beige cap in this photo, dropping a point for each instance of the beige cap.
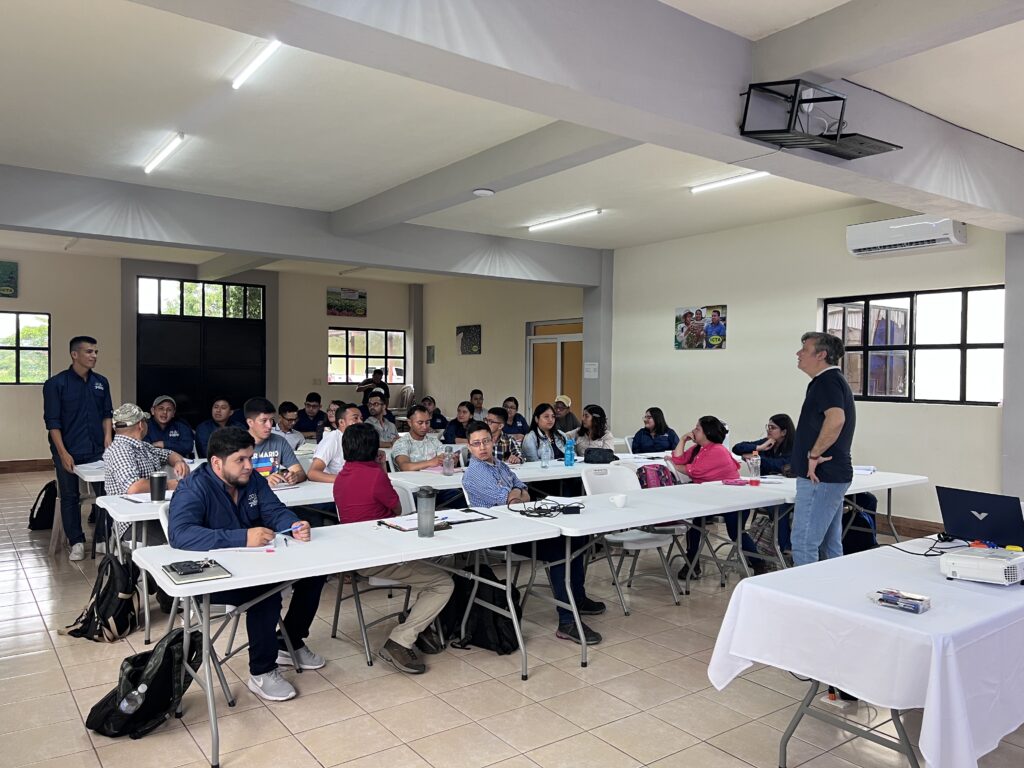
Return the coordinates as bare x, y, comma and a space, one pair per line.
128, 415
564, 400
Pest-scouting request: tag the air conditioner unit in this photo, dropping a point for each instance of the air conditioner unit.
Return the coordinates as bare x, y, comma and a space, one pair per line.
891, 235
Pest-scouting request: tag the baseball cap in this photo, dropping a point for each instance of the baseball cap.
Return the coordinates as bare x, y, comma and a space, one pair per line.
163, 399
564, 400
128, 415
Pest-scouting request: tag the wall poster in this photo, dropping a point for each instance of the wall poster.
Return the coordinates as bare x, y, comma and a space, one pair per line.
468, 339
701, 327
346, 302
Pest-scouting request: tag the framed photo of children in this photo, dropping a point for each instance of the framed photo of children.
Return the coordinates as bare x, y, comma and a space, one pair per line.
701, 327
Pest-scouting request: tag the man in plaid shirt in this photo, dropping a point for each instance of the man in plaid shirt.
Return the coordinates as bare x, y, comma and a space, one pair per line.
129, 462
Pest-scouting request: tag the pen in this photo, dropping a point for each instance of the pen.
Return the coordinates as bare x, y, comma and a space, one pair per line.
293, 527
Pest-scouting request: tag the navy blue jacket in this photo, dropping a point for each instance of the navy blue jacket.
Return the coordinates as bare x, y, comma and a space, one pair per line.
437, 420
772, 461
203, 432
306, 424
203, 517
644, 442
177, 436
77, 407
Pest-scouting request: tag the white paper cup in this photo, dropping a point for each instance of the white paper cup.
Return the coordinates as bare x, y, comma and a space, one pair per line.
619, 500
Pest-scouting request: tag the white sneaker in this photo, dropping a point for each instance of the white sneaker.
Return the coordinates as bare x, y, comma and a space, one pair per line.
271, 686
77, 552
101, 548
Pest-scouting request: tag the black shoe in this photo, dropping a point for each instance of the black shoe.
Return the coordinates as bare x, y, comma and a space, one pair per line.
685, 569
588, 607
758, 566
569, 632
429, 642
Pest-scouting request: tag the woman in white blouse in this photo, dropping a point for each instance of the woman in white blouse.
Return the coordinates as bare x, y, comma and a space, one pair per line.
593, 432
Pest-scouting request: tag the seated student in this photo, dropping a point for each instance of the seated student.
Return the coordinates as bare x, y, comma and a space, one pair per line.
329, 456
311, 419
705, 461
776, 453
506, 447
565, 419
272, 458
594, 432
476, 399
515, 424
417, 449
437, 419
388, 413
287, 415
385, 429
167, 432
362, 491
455, 432
332, 414
488, 482
542, 430
224, 503
655, 436
220, 413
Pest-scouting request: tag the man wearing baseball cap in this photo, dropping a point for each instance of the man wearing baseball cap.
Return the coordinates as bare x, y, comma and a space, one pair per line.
168, 432
129, 462
565, 419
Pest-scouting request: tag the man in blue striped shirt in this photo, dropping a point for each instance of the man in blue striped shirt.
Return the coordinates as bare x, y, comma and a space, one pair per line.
490, 483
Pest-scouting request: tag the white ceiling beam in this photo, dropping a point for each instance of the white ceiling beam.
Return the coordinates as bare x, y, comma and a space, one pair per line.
547, 150
864, 34
642, 70
77, 206
228, 264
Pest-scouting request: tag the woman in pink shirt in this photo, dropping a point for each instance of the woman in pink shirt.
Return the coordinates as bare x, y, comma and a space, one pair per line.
705, 461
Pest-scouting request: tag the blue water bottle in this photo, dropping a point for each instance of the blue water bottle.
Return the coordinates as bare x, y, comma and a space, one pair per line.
570, 453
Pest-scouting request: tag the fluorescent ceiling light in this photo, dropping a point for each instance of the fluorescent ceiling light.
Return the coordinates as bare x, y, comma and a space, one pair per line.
564, 220
165, 151
265, 53
729, 181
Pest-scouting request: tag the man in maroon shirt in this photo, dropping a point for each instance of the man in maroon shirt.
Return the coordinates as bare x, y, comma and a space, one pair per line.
362, 491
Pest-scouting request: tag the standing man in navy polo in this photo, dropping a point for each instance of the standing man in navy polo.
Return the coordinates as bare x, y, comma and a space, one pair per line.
77, 412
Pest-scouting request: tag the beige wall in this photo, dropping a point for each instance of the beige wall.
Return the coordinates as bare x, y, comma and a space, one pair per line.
83, 296
772, 278
502, 309
302, 331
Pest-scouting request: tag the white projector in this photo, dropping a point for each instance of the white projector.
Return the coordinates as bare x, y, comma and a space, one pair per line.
991, 566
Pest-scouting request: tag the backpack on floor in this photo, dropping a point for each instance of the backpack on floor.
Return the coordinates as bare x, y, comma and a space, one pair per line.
655, 476
44, 508
113, 608
484, 629
160, 670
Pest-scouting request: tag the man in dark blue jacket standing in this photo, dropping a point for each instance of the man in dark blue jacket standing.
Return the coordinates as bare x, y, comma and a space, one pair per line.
76, 410
225, 504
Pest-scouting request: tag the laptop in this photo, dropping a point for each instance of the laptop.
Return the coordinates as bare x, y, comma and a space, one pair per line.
976, 516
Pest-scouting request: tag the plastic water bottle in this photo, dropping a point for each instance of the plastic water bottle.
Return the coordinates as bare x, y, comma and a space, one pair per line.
448, 462
754, 465
131, 703
546, 454
570, 453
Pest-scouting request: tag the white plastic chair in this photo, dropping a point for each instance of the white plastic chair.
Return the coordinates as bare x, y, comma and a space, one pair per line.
620, 479
629, 444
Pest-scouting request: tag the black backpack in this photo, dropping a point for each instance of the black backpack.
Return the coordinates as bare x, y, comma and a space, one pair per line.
113, 608
160, 670
43, 509
485, 629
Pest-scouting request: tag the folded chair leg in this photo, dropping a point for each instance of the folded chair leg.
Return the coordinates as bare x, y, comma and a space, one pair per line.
673, 585
615, 576
337, 605
632, 568
362, 623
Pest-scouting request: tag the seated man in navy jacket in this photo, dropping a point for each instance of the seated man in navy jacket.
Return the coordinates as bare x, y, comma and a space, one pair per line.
225, 504
168, 432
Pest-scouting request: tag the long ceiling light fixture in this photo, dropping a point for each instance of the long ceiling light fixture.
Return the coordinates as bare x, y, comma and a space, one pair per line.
729, 181
261, 58
166, 150
564, 220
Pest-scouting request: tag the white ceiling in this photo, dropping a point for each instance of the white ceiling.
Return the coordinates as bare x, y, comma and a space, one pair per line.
336, 270
31, 241
92, 88
645, 198
974, 83
754, 19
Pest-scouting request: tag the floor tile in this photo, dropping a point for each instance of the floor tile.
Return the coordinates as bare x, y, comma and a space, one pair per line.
544, 683
35, 744
644, 737
584, 749
32, 686
396, 757
589, 707
469, 746
759, 745
157, 750
418, 719
34, 713
600, 667
748, 698
696, 715
815, 732
481, 700
642, 690
239, 730
529, 727
347, 740
372, 695
447, 674
313, 710
701, 756
641, 653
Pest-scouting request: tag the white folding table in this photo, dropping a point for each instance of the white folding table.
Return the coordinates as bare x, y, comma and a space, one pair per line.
334, 549
960, 661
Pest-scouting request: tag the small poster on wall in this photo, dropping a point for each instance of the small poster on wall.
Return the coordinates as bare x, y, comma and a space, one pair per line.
468, 339
346, 302
9, 279
701, 327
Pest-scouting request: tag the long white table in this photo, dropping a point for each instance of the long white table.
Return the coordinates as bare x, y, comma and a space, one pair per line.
960, 661
528, 472
333, 549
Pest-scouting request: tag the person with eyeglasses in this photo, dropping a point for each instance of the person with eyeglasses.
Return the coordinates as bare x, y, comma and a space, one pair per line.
543, 430
655, 436
515, 424
488, 482
312, 419
287, 415
506, 447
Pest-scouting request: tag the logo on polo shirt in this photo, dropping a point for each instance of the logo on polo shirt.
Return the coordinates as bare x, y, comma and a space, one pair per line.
174, 433
253, 500
98, 385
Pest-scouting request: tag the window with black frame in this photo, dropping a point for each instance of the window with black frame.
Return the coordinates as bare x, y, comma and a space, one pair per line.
354, 353
941, 346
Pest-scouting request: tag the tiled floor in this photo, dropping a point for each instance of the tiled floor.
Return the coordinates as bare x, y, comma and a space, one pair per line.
644, 699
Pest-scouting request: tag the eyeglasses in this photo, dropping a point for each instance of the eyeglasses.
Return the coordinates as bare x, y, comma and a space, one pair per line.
770, 427
495, 423
482, 443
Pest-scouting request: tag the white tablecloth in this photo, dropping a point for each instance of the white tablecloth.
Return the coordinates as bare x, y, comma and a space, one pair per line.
962, 661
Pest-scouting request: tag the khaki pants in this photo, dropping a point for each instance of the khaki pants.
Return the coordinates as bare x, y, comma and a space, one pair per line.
431, 587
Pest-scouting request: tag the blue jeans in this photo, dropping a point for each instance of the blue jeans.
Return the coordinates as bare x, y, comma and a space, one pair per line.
818, 521
71, 501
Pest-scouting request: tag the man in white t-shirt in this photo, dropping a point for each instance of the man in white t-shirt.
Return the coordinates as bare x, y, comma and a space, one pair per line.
417, 449
329, 457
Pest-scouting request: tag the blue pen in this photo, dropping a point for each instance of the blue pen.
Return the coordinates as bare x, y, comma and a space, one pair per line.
291, 529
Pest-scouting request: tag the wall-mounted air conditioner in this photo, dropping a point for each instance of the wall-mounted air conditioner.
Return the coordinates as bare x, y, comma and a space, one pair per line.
910, 232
